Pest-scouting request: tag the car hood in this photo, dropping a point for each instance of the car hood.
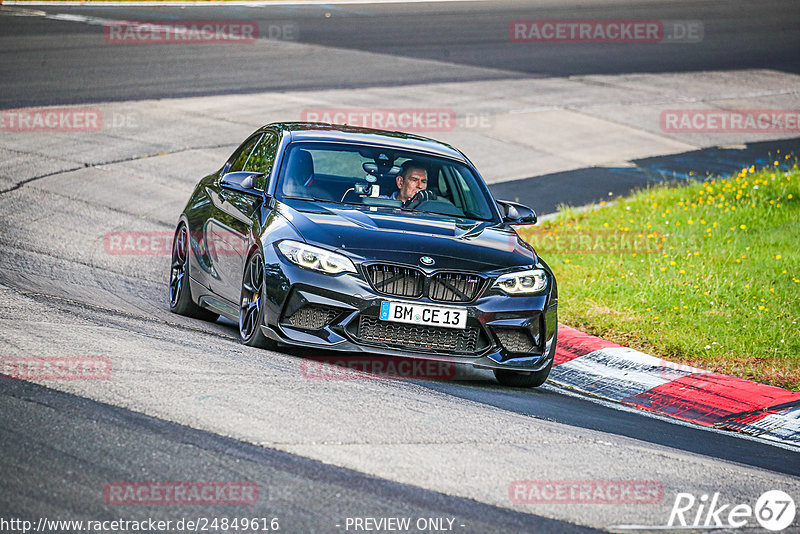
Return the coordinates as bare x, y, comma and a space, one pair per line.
396, 236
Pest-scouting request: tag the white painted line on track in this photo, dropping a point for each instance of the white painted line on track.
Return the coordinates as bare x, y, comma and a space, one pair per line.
64, 17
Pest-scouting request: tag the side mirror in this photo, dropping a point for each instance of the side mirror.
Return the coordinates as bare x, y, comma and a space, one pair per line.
514, 213
242, 181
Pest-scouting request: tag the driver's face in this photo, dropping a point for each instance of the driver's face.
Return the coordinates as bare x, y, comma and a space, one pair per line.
415, 180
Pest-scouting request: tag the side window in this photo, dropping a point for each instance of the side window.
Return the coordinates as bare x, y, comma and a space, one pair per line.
467, 188
240, 157
469, 198
262, 158
452, 184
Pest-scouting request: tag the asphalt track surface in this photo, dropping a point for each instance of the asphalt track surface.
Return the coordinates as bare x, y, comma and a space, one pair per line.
47, 62
99, 441
190, 404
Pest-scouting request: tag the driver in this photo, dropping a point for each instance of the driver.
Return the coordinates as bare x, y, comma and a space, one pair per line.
412, 182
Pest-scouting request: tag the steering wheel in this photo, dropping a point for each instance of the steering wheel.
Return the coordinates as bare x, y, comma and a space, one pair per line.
419, 198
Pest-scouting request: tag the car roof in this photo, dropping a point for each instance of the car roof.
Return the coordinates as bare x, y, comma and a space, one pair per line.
318, 131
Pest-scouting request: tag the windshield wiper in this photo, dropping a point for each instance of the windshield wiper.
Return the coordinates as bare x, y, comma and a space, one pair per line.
315, 199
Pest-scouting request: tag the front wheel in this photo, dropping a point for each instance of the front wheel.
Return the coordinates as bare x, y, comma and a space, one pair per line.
251, 310
521, 379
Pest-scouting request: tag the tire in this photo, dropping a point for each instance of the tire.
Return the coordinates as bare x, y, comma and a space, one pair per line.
180, 291
521, 379
517, 379
251, 312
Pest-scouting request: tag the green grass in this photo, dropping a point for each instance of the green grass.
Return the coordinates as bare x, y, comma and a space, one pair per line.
706, 274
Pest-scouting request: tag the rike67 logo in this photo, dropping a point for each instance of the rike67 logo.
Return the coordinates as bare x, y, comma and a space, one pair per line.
774, 510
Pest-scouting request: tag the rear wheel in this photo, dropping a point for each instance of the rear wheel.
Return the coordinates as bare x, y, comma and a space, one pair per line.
251, 311
180, 294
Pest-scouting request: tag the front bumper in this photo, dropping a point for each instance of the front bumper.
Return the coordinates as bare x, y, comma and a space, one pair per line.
340, 313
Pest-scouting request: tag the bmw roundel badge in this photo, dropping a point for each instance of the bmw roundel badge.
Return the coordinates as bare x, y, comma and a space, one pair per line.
426, 260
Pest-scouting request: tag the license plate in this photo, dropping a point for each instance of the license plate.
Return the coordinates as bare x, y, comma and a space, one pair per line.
405, 312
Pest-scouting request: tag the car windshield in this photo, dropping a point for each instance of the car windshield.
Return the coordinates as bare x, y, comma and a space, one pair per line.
380, 177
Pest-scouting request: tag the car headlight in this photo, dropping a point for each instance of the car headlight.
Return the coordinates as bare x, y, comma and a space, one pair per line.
523, 282
316, 258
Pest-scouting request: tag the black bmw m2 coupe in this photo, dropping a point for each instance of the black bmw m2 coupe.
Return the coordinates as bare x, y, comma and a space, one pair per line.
359, 240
